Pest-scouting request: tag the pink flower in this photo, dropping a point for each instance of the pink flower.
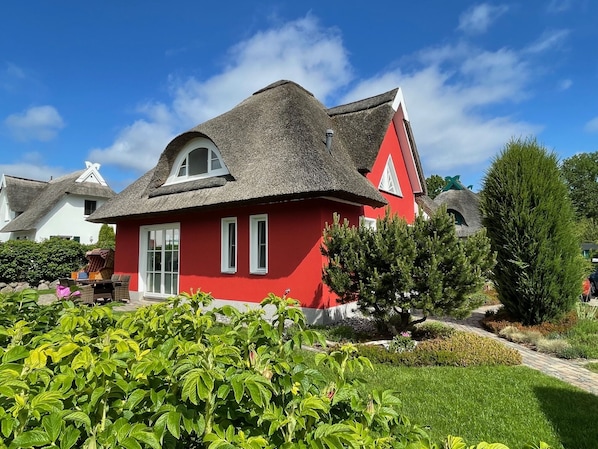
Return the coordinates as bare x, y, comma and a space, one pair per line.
63, 292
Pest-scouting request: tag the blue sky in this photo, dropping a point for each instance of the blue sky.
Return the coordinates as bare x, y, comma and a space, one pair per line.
113, 81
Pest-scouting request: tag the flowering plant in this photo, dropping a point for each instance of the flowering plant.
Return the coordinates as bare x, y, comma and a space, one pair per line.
402, 343
64, 292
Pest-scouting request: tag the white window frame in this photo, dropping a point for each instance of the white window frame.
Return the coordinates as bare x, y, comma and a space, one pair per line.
194, 144
389, 174
225, 259
254, 252
143, 250
369, 223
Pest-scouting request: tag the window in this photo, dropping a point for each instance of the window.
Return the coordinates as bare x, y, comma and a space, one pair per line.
198, 159
159, 260
90, 207
229, 245
369, 223
389, 181
258, 244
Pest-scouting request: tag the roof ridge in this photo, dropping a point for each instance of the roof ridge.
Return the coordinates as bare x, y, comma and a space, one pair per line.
364, 104
280, 83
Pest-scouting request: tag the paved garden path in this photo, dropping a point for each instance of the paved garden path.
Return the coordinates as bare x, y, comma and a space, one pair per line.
570, 371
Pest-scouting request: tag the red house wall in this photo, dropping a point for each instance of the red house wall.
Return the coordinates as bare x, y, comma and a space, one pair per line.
294, 258
403, 206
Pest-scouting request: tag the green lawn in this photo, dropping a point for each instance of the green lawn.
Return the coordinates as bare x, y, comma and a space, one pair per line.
511, 405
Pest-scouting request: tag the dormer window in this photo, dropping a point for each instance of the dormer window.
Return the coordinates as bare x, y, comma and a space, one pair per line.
198, 159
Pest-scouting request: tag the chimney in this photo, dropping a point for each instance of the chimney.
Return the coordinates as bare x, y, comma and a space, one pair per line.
329, 134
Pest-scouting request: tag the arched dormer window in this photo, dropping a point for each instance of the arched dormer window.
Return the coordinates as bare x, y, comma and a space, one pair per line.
459, 219
198, 159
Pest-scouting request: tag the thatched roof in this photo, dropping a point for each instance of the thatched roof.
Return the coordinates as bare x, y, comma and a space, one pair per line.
467, 204
21, 192
43, 196
274, 147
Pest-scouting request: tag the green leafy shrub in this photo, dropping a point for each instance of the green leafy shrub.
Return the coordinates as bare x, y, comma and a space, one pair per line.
106, 237
32, 262
430, 330
398, 267
172, 375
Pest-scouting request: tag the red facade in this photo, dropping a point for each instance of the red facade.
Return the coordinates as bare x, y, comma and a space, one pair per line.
294, 258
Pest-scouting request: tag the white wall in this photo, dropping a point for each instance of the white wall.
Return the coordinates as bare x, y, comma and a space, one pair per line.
67, 219
6, 215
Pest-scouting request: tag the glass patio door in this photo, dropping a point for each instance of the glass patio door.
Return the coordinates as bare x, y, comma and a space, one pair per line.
161, 260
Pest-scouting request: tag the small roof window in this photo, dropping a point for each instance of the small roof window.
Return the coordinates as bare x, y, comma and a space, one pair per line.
198, 159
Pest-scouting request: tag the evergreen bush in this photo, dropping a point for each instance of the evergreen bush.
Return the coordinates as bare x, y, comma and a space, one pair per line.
32, 262
530, 222
396, 268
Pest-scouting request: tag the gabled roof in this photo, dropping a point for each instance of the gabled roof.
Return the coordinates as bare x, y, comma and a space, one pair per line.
274, 147
48, 194
20, 192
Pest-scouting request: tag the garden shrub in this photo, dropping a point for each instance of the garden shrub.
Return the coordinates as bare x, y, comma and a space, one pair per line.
432, 329
172, 375
531, 225
474, 350
32, 262
460, 349
496, 321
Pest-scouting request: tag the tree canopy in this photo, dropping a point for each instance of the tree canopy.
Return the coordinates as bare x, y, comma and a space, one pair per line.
580, 173
434, 185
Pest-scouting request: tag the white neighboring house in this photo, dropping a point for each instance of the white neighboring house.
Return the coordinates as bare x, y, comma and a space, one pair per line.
38, 210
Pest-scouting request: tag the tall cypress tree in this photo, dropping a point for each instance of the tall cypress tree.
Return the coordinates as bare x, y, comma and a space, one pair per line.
530, 222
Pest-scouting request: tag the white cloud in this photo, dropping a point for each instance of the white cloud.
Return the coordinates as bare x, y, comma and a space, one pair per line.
547, 41
558, 6
448, 100
565, 84
592, 126
478, 18
300, 50
32, 166
37, 123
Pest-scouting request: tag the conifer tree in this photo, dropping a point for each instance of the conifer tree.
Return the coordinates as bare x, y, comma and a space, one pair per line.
395, 268
530, 223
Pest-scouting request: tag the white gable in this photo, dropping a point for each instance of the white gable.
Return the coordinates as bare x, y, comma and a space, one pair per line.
92, 174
